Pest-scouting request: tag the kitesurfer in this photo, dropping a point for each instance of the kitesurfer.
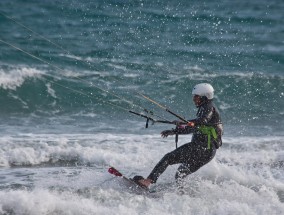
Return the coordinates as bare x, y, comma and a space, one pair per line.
207, 130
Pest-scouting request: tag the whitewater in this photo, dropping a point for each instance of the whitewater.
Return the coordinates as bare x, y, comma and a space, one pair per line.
67, 174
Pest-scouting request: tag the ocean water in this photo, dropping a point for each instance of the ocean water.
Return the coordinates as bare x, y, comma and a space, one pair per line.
70, 71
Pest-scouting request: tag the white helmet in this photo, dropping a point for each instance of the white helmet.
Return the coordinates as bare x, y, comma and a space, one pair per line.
203, 89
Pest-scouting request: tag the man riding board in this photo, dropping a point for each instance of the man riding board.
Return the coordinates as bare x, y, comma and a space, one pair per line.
207, 130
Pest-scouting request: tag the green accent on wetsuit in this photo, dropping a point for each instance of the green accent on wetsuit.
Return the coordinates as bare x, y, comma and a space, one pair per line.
208, 130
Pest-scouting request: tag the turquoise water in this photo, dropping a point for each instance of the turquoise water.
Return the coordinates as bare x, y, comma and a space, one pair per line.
161, 49
57, 123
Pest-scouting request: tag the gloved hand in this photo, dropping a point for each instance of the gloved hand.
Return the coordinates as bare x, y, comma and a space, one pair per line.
190, 124
167, 133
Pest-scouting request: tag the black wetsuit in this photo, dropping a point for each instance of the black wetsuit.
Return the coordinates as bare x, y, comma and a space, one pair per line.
195, 154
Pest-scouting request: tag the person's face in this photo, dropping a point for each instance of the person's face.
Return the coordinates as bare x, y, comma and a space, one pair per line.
197, 100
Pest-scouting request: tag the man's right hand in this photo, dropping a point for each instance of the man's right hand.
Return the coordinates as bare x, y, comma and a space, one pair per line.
167, 133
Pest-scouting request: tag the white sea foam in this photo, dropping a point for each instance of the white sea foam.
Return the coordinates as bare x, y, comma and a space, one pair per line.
226, 198
241, 179
50, 90
197, 73
16, 77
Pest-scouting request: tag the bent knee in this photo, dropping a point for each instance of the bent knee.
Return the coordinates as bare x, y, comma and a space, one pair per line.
169, 158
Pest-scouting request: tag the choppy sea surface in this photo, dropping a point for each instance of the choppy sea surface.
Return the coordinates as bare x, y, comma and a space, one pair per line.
70, 71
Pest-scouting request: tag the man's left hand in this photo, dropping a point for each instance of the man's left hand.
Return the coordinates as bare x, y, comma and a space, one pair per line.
167, 133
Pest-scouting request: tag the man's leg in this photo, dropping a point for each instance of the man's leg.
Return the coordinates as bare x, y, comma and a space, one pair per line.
186, 169
179, 155
194, 163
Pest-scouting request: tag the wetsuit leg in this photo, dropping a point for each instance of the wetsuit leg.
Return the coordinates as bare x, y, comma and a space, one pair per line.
179, 155
192, 157
183, 171
200, 158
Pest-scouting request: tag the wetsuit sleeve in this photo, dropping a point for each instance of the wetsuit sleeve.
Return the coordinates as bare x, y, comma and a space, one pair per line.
184, 130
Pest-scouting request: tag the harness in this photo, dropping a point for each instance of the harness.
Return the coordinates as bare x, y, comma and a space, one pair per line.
208, 130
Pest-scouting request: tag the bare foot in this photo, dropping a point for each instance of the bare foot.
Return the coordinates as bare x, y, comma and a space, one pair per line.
145, 182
